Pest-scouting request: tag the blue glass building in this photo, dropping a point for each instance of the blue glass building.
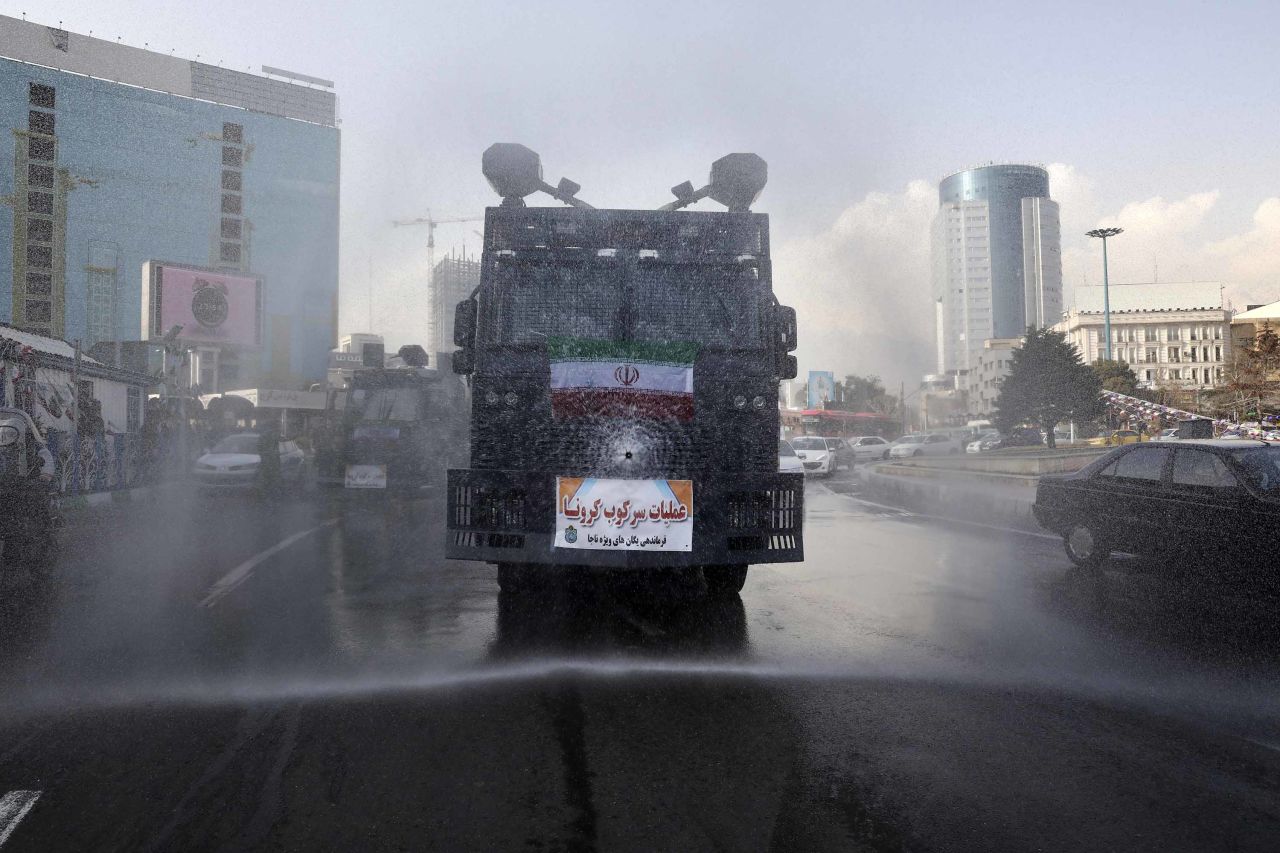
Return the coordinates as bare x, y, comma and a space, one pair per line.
168, 160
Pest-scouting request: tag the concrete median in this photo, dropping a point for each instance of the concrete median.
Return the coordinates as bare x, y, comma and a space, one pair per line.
997, 488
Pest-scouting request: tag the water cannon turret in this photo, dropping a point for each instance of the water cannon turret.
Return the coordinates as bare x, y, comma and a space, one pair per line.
413, 355
515, 171
736, 182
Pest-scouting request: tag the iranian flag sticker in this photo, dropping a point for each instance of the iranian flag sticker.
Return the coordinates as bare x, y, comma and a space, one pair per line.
621, 378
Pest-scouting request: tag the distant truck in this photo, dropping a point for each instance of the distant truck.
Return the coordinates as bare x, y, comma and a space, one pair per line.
398, 426
624, 370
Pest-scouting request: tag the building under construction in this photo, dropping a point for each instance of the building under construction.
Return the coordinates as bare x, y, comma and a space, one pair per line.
452, 281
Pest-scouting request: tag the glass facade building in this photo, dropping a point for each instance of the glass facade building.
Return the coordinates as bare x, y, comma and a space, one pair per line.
225, 170
997, 260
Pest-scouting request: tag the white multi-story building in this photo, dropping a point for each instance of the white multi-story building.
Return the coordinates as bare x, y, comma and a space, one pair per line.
962, 285
993, 365
997, 261
355, 342
1173, 335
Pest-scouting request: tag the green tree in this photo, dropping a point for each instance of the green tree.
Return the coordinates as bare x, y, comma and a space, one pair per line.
863, 394
1047, 384
1116, 376
857, 393
1252, 376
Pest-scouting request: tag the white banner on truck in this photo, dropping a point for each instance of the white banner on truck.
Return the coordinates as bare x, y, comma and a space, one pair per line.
624, 515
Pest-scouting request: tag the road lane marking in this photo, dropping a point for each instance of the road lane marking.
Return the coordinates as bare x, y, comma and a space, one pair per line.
240, 573
13, 808
913, 514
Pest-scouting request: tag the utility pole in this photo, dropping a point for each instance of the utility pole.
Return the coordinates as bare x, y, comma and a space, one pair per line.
902, 404
75, 420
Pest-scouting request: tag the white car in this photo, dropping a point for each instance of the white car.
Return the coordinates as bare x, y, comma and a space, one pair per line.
868, 447
816, 456
234, 461
1167, 435
988, 436
788, 461
934, 444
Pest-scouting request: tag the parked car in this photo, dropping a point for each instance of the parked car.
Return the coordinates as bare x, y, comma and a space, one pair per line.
1115, 438
933, 444
1170, 434
868, 447
234, 462
1209, 502
817, 457
788, 461
846, 456
983, 441
1020, 437
911, 441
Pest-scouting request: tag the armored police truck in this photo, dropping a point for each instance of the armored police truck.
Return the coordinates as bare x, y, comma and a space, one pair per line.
624, 369
395, 428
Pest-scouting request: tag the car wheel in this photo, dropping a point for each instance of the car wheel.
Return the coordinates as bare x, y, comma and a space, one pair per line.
724, 580
884, 455
918, 453
1086, 545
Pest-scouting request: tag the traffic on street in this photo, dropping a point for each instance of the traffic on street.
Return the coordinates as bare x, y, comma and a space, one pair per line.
305, 672
593, 426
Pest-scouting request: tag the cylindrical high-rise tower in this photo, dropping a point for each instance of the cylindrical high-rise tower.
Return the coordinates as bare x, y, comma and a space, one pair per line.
997, 259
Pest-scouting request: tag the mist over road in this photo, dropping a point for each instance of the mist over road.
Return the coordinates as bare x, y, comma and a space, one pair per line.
229, 674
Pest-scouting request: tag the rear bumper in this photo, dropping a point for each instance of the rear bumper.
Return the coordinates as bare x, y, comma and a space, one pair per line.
509, 517
228, 480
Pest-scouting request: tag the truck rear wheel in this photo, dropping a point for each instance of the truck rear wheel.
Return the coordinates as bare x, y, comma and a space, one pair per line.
724, 580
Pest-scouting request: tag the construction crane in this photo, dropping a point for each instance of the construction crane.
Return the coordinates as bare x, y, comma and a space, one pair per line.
437, 322
431, 235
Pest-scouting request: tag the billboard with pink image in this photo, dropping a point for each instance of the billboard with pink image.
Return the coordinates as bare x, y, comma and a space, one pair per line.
211, 307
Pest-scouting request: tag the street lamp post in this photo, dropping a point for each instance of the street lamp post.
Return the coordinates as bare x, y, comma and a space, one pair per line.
1104, 233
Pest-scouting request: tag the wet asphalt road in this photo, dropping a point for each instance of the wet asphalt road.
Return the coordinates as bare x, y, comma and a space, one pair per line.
307, 674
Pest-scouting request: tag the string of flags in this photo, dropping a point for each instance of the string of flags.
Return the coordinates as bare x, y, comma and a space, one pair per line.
1123, 404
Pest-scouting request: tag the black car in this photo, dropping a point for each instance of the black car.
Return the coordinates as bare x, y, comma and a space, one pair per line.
1189, 500
1019, 437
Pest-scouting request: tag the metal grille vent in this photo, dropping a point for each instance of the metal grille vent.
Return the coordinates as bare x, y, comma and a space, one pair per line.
773, 509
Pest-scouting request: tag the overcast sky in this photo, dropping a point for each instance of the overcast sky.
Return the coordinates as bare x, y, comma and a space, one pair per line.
1160, 116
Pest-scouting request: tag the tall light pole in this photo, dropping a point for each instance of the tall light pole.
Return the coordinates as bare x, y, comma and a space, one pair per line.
1104, 233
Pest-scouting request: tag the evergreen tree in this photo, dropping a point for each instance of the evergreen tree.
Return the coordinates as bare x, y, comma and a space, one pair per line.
1047, 384
1116, 376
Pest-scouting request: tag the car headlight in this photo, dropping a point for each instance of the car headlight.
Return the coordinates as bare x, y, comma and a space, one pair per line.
8, 435
739, 402
511, 398
757, 402
491, 397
